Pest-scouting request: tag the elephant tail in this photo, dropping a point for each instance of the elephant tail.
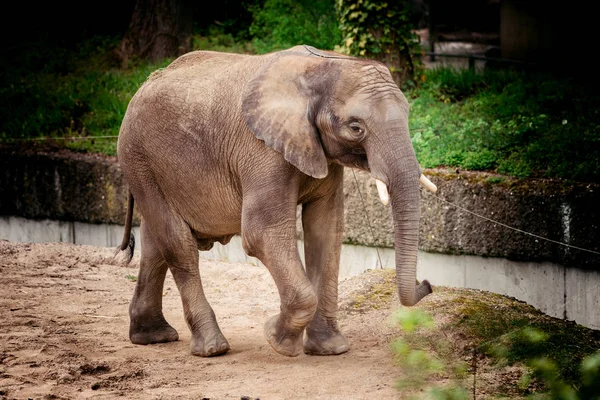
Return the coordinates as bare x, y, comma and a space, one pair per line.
128, 244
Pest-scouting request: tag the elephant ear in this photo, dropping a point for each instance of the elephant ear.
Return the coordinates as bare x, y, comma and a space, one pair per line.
278, 106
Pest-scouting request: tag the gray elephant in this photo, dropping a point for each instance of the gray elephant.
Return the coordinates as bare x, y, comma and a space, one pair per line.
220, 144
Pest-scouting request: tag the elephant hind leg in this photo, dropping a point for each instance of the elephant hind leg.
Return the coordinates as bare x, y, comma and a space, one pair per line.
147, 322
179, 249
171, 238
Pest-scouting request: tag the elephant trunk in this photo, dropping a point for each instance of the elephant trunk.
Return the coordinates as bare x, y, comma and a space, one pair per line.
406, 212
394, 164
405, 199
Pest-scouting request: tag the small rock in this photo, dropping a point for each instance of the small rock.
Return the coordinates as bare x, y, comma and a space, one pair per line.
65, 378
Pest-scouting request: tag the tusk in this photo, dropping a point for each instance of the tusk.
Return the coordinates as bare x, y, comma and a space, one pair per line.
427, 183
383, 192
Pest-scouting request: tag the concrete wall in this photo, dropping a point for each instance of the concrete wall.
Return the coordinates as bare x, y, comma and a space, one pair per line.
81, 199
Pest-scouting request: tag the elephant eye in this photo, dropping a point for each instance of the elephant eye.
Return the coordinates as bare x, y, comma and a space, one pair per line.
356, 128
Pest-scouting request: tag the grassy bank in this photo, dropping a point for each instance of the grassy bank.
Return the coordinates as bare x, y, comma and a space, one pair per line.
465, 344
517, 123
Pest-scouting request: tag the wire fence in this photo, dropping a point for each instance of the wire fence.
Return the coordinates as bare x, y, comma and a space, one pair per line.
475, 57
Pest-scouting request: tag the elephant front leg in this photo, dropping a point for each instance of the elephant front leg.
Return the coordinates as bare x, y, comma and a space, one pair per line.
323, 225
269, 233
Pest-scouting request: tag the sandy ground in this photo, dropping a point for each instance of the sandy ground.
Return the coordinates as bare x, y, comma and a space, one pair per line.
64, 334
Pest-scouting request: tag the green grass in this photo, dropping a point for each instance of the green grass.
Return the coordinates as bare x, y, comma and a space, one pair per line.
87, 98
517, 123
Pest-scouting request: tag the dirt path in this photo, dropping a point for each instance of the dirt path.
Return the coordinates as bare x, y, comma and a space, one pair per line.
64, 334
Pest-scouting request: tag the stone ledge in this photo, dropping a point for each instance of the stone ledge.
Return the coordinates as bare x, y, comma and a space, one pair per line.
556, 210
90, 188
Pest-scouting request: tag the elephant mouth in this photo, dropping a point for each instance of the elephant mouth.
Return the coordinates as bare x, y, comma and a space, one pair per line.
355, 158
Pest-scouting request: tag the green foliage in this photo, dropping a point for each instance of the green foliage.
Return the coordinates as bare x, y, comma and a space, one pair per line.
451, 393
590, 377
131, 278
558, 359
280, 24
534, 348
107, 145
517, 123
217, 40
382, 31
410, 320
423, 360
87, 99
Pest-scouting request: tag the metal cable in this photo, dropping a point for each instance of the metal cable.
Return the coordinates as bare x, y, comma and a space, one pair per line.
62, 138
510, 227
367, 216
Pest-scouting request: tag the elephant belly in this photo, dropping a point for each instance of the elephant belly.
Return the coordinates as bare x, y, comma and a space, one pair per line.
197, 190
213, 213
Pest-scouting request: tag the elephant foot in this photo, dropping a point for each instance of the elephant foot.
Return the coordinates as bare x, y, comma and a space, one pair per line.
209, 345
325, 343
285, 343
148, 334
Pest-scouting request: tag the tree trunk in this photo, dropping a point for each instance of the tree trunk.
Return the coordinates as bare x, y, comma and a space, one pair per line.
158, 29
399, 59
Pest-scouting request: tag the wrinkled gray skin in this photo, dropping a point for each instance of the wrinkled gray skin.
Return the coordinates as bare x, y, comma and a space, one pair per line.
218, 144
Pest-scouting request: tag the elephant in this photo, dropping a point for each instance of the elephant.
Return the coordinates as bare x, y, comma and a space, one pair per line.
221, 144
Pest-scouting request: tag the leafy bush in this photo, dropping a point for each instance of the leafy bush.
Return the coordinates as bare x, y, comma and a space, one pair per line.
563, 379
280, 24
561, 355
382, 31
423, 359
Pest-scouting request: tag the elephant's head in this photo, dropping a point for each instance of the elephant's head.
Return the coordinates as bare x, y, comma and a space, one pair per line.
317, 107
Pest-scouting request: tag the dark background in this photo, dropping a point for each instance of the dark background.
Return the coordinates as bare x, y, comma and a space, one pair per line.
68, 22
